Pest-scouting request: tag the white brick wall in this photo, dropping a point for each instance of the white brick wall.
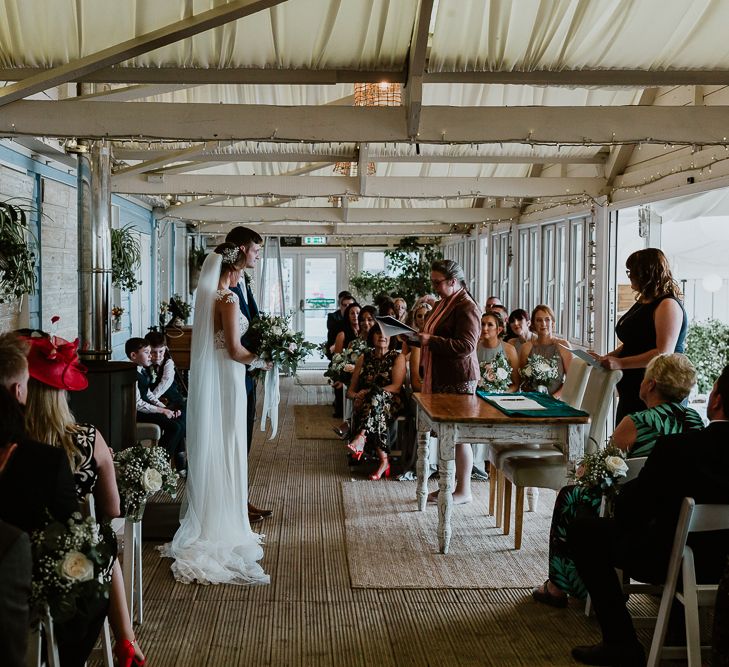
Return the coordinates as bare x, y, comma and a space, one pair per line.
59, 258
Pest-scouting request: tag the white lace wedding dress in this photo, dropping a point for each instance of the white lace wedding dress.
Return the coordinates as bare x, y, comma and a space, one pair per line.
214, 543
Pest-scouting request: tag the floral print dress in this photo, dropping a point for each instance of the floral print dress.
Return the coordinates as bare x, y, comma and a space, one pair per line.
579, 501
379, 409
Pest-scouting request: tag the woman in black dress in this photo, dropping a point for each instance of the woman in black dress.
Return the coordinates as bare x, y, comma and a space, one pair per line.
656, 324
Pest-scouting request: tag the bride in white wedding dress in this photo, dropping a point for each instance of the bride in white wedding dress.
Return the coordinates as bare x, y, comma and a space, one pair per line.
214, 543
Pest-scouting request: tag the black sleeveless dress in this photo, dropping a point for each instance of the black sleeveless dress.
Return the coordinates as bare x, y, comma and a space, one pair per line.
637, 332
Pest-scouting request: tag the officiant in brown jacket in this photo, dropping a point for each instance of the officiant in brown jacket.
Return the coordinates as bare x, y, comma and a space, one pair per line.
448, 356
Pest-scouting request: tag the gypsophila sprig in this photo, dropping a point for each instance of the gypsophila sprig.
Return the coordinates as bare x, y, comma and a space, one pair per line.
272, 339
601, 470
538, 372
495, 374
72, 566
342, 364
140, 473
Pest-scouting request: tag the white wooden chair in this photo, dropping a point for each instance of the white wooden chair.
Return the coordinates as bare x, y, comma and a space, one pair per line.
132, 569
150, 433
548, 467
692, 519
34, 657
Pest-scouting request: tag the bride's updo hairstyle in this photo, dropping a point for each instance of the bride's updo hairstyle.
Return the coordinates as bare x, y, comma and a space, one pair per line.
232, 257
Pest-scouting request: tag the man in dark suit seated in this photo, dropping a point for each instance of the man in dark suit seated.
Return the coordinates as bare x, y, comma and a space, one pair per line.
639, 539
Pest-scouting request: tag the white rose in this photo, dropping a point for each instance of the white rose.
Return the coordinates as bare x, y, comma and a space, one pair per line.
616, 465
292, 347
501, 373
543, 367
276, 331
349, 368
526, 371
151, 480
76, 567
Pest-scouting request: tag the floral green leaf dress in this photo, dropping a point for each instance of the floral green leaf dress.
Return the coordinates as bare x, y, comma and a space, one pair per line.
578, 501
379, 409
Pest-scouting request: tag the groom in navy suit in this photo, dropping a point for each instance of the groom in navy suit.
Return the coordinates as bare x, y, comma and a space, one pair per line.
249, 242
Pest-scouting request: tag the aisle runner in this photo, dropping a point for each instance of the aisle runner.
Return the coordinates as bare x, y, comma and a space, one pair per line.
314, 422
391, 545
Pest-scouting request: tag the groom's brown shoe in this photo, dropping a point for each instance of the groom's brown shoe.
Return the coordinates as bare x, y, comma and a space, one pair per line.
254, 518
264, 514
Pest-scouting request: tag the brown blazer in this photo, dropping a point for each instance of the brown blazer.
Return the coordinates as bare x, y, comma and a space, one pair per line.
453, 344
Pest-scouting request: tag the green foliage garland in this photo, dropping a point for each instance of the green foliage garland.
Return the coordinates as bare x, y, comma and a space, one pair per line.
411, 259
707, 346
17, 258
126, 256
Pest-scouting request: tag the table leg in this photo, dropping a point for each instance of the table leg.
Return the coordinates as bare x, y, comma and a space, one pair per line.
421, 494
446, 484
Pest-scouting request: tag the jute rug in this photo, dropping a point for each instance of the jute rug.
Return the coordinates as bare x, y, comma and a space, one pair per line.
314, 422
311, 378
391, 545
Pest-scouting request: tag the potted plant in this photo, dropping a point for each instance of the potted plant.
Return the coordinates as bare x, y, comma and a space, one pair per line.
17, 257
126, 256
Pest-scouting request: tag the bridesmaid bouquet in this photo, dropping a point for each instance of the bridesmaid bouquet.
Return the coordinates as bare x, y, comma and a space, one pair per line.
602, 470
71, 566
140, 473
539, 371
496, 374
272, 339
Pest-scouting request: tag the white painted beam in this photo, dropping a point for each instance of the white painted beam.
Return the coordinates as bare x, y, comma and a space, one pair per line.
132, 93
408, 187
257, 76
438, 124
362, 166
118, 53
348, 214
122, 153
161, 161
413, 88
296, 229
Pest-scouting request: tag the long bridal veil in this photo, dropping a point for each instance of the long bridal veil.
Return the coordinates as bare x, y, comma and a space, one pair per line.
214, 543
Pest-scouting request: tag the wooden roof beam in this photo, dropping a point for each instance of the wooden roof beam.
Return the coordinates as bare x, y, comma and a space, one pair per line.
413, 87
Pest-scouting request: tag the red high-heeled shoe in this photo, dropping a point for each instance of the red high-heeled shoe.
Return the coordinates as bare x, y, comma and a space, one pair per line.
125, 655
357, 447
385, 473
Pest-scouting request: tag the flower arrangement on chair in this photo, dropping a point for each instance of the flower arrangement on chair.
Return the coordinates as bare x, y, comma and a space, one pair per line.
71, 566
601, 470
495, 374
140, 473
342, 364
538, 372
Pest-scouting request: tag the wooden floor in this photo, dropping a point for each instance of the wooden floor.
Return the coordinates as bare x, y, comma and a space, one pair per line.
309, 614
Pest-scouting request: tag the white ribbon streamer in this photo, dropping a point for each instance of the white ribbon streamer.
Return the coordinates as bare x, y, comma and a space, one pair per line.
271, 399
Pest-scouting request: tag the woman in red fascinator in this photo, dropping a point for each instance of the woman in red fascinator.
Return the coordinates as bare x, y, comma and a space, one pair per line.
55, 369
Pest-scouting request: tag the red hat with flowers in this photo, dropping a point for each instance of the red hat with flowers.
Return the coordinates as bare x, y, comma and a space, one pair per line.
54, 361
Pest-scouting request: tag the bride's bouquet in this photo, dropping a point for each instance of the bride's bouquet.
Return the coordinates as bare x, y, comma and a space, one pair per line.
602, 470
342, 364
140, 473
495, 374
538, 372
71, 566
272, 339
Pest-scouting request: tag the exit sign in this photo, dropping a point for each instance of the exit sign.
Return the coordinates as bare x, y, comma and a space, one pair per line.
314, 240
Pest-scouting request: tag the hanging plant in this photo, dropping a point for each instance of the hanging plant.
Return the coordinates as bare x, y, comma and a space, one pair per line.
17, 257
126, 256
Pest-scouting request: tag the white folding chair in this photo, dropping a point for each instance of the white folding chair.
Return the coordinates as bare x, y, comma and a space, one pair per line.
132, 569
34, 657
150, 433
692, 519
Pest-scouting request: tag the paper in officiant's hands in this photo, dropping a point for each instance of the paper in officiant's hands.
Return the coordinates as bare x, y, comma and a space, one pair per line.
391, 326
585, 356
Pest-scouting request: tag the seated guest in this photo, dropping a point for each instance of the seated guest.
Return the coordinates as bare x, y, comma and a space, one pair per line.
386, 307
490, 347
493, 301
375, 390
151, 410
639, 538
335, 320
163, 385
520, 329
54, 370
401, 308
16, 564
350, 327
668, 381
547, 346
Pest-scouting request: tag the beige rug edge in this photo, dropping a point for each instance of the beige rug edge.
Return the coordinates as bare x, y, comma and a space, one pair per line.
314, 422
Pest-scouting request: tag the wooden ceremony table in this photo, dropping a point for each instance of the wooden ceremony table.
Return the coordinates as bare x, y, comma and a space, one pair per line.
454, 418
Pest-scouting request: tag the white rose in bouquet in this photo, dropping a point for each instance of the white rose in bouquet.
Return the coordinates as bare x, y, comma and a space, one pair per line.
501, 373
616, 465
293, 347
76, 567
526, 371
151, 480
543, 367
349, 368
276, 331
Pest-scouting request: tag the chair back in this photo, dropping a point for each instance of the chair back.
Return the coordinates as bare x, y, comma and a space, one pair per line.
707, 517
575, 382
596, 402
